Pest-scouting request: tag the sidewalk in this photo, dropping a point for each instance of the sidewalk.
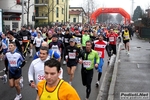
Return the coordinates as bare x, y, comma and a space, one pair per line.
133, 72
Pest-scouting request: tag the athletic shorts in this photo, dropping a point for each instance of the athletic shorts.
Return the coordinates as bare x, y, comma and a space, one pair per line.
125, 41
71, 63
25, 44
15, 76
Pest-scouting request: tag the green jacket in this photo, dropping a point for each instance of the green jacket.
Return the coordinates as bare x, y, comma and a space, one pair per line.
92, 56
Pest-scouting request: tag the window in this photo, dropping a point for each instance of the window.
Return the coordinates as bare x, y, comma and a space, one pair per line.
62, 0
74, 20
69, 16
57, 12
62, 21
56, 20
62, 10
57, 1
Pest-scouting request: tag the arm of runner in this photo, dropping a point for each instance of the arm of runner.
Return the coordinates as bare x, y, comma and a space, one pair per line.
6, 65
37, 97
18, 46
56, 56
34, 41
30, 73
97, 59
36, 55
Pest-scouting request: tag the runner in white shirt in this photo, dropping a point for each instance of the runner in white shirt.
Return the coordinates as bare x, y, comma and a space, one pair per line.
38, 41
36, 69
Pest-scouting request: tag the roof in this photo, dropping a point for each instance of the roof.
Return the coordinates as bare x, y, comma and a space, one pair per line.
12, 11
74, 12
77, 8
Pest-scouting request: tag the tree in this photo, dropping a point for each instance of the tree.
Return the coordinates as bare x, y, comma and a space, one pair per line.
119, 18
89, 7
138, 12
105, 18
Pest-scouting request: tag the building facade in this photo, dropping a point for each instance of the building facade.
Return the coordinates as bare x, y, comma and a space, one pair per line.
47, 11
148, 13
12, 11
77, 15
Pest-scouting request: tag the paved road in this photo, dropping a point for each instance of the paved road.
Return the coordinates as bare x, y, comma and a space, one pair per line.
7, 93
134, 70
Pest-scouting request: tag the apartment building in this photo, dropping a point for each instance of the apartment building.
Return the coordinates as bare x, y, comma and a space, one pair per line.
12, 13
51, 11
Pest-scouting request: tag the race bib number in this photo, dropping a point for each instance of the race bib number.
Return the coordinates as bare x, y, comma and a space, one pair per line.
25, 38
111, 39
40, 77
55, 48
86, 63
126, 37
72, 55
99, 53
13, 63
38, 43
66, 40
32, 37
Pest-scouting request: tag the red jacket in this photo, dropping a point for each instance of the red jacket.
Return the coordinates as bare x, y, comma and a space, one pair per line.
112, 38
100, 47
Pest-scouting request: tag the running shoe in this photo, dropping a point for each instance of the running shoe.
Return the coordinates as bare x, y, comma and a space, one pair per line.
128, 53
18, 97
21, 82
4, 78
97, 84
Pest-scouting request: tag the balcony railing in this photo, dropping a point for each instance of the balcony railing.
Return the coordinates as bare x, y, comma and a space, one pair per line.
41, 16
41, 2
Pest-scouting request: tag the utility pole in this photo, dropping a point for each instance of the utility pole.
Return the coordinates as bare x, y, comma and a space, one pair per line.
132, 8
28, 12
64, 12
22, 12
88, 10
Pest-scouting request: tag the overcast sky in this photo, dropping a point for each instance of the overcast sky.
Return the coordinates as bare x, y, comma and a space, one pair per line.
125, 4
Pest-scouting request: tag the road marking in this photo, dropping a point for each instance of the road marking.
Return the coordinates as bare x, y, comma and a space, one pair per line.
138, 66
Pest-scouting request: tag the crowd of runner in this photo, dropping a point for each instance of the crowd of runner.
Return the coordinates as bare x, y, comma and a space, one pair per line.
49, 46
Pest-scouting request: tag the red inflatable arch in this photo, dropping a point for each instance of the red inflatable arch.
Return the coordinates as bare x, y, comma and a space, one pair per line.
110, 10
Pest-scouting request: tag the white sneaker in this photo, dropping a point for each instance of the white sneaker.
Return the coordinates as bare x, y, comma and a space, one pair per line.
21, 82
4, 69
4, 78
97, 84
18, 97
64, 62
128, 53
